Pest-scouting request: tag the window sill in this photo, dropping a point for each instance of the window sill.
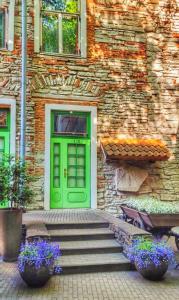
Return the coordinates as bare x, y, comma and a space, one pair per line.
61, 56
4, 49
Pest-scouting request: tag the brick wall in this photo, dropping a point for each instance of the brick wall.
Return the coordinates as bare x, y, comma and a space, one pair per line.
131, 74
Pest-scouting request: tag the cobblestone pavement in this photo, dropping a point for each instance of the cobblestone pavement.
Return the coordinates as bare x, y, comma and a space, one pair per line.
94, 286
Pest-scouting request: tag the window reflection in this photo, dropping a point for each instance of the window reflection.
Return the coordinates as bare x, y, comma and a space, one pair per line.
70, 125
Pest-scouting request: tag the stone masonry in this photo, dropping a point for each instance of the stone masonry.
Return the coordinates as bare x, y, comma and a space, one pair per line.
131, 74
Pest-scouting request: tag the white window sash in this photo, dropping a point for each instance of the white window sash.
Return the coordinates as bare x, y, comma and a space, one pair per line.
37, 26
10, 41
83, 23
60, 33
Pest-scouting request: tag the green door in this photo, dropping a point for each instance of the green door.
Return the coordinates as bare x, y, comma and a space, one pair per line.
70, 163
4, 138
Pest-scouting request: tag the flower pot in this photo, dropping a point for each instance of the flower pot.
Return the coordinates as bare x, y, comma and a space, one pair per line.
151, 271
10, 233
36, 277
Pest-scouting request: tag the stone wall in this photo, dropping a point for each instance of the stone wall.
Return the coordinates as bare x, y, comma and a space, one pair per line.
131, 74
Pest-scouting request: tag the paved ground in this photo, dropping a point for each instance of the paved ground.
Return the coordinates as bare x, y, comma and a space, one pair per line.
63, 216
94, 286
99, 286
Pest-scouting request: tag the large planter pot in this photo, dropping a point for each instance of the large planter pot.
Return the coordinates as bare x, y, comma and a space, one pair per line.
36, 277
10, 233
153, 272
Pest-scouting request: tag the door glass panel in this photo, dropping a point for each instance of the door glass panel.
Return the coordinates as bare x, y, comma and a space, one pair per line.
56, 166
81, 149
80, 182
80, 161
70, 125
76, 166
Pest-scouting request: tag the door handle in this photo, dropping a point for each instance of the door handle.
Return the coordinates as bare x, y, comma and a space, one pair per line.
65, 173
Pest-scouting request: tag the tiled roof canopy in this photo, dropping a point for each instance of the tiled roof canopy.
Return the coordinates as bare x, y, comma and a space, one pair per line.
134, 149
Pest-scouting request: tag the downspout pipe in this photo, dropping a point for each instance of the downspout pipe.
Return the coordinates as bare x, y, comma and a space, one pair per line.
23, 83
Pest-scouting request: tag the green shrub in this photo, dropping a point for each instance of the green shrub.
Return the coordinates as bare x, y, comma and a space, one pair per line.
15, 183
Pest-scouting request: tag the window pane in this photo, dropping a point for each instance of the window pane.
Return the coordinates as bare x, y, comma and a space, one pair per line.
50, 34
2, 29
70, 6
70, 35
70, 125
3, 119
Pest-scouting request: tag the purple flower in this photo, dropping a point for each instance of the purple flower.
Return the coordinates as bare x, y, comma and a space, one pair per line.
38, 253
144, 251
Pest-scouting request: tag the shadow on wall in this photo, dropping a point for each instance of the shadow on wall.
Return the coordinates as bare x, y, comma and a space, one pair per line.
134, 42
138, 57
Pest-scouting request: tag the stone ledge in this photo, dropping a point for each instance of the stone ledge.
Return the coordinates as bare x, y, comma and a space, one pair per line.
36, 231
125, 233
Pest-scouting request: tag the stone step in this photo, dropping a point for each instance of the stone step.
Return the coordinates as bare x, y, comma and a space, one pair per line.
92, 246
86, 263
81, 234
77, 225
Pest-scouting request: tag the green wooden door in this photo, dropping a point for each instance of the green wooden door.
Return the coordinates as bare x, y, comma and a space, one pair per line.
70, 166
70, 173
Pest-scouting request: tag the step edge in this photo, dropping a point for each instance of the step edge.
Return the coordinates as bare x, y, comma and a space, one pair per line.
91, 248
95, 264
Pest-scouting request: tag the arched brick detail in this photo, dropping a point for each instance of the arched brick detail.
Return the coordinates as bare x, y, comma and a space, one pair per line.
70, 84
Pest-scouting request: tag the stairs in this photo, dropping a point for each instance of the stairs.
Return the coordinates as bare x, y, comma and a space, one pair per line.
87, 247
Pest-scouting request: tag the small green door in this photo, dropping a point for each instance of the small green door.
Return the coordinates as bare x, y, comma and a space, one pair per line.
4, 138
70, 161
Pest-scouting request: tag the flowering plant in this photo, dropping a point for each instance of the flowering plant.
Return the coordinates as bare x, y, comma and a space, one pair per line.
143, 252
39, 253
151, 205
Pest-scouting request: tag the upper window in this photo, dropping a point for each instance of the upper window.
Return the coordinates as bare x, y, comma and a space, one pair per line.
61, 27
7, 24
2, 28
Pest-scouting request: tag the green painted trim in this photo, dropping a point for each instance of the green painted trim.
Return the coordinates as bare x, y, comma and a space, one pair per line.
5, 133
6, 137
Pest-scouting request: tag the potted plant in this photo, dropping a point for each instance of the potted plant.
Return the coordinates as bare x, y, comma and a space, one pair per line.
15, 194
151, 258
36, 262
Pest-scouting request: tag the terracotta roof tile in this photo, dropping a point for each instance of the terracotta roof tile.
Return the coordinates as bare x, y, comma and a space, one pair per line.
134, 149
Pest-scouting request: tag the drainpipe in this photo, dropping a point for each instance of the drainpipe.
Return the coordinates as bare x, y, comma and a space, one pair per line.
23, 82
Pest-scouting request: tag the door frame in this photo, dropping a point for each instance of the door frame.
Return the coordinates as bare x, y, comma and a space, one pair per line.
11, 104
64, 107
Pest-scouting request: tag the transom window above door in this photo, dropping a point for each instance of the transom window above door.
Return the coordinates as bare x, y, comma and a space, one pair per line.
71, 124
61, 28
